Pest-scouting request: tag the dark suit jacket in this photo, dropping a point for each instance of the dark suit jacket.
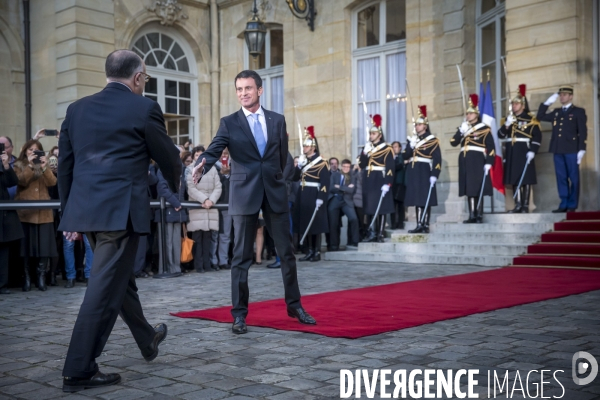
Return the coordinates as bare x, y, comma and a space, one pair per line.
106, 142
569, 130
252, 175
345, 191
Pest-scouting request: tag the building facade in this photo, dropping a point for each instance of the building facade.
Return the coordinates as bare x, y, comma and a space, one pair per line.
363, 57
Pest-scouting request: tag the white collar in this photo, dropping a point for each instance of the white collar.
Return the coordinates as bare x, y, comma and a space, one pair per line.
566, 107
121, 83
259, 111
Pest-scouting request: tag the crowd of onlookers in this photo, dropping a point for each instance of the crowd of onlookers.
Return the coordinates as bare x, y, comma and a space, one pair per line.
33, 252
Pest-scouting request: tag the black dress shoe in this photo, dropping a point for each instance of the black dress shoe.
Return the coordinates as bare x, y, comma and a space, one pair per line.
315, 257
334, 248
225, 266
559, 210
70, 283
160, 334
71, 385
307, 257
239, 326
302, 316
276, 264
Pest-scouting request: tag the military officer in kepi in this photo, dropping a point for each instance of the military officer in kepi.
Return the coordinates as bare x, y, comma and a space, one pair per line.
476, 157
568, 143
313, 173
422, 171
377, 164
523, 138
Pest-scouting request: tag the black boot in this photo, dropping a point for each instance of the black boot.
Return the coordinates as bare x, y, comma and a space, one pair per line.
426, 222
479, 212
472, 216
525, 193
419, 228
316, 248
381, 228
308, 255
518, 204
52, 273
27, 279
41, 276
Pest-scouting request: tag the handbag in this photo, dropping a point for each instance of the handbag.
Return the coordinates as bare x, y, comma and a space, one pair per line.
186, 247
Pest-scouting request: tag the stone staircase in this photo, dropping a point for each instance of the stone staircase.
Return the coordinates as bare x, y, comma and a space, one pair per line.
493, 243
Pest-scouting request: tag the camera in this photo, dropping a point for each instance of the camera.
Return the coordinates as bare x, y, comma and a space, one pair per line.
1, 148
51, 132
39, 154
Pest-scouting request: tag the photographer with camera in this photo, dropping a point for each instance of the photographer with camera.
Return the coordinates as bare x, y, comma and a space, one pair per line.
38, 225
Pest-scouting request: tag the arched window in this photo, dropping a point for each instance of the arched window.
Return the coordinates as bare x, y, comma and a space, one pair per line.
269, 66
173, 84
491, 50
379, 69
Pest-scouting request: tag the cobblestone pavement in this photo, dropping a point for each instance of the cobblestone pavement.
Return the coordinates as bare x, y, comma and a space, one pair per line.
204, 360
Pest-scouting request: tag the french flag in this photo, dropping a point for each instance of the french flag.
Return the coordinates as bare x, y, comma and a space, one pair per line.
487, 117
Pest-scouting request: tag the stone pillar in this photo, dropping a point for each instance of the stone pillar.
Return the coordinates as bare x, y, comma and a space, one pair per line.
84, 37
214, 68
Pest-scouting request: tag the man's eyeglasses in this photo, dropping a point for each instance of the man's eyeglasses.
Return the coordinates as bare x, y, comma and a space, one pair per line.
146, 77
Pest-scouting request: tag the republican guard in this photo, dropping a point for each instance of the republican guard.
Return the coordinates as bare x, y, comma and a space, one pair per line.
313, 173
378, 166
422, 171
476, 157
523, 139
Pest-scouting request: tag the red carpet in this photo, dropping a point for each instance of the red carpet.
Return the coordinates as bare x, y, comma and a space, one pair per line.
575, 243
373, 310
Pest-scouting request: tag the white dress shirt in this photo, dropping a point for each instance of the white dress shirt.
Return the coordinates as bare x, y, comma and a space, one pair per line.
261, 119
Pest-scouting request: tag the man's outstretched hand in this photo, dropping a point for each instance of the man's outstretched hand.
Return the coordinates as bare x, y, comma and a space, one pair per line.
198, 171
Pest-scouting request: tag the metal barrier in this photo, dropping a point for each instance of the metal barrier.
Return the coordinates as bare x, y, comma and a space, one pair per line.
162, 204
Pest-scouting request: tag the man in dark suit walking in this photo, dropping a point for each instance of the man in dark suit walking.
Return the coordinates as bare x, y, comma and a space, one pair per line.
258, 146
568, 144
106, 142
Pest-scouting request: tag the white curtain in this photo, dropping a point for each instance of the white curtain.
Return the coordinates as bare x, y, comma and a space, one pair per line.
277, 94
395, 126
368, 96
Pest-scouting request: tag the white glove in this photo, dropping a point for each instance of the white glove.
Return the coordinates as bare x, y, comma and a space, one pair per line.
368, 147
551, 99
464, 127
412, 140
432, 180
486, 169
385, 189
509, 120
319, 203
530, 156
580, 155
302, 161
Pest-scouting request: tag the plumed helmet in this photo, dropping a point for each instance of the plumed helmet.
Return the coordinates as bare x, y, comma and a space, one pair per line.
422, 115
309, 137
376, 123
473, 104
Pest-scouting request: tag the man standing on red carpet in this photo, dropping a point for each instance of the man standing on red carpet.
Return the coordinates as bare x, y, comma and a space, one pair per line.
258, 148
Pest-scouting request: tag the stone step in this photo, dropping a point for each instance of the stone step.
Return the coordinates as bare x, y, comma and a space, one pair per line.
449, 248
439, 259
482, 237
489, 227
459, 216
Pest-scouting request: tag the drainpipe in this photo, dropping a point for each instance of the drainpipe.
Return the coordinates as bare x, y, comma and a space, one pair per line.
214, 68
27, 45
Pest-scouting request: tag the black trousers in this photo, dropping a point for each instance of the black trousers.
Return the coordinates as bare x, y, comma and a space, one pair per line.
243, 249
336, 207
398, 216
202, 250
111, 291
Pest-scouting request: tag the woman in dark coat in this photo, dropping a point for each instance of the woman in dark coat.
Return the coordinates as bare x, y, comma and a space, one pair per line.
10, 226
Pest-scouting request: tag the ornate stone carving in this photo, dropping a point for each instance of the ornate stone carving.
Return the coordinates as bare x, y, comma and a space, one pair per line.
168, 11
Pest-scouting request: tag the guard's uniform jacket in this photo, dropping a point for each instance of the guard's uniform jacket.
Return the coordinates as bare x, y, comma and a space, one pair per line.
314, 180
476, 149
569, 132
424, 161
522, 136
378, 168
